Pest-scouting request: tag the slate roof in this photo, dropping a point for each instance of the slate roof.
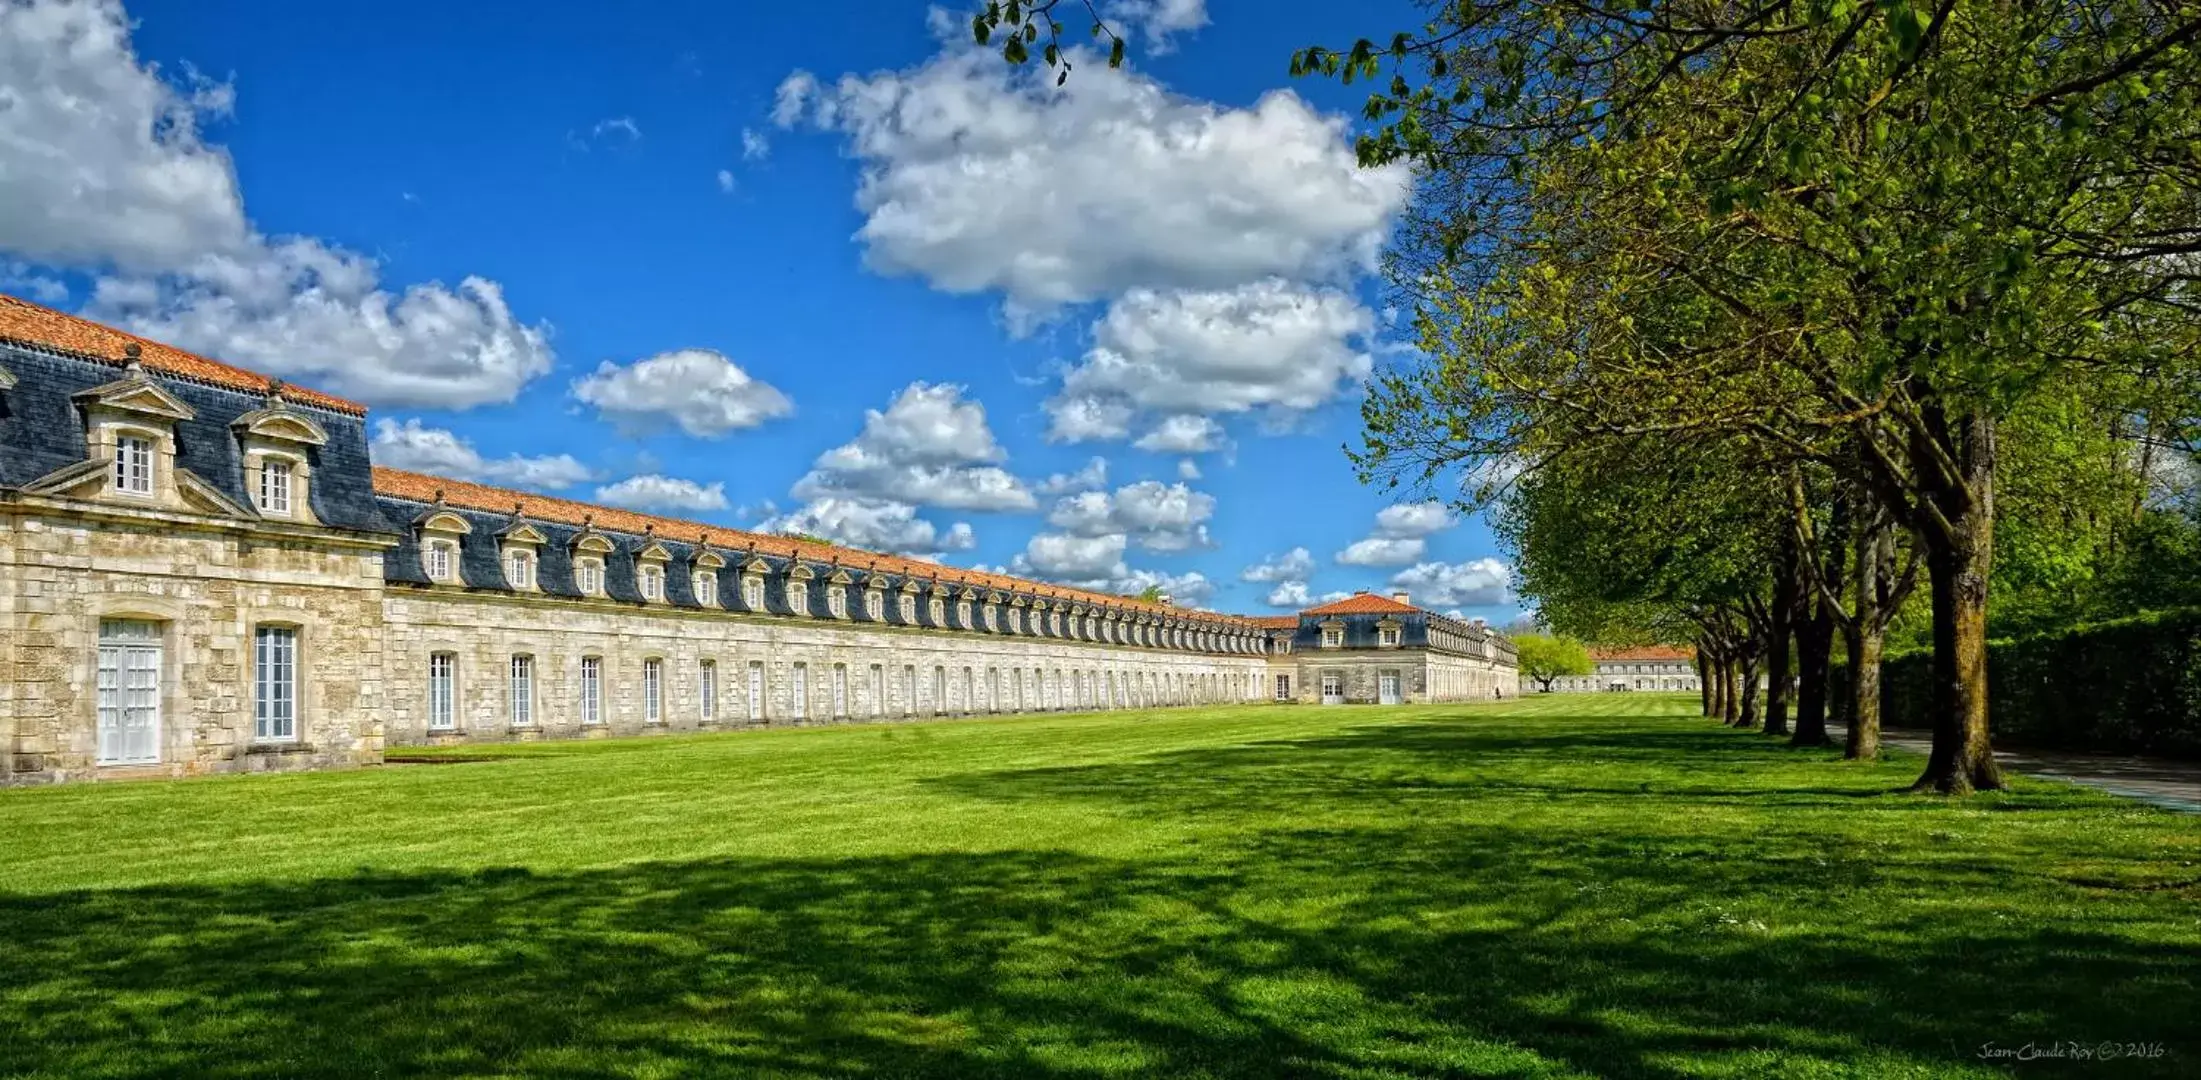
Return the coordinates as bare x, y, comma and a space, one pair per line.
42, 432
405, 493
42, 328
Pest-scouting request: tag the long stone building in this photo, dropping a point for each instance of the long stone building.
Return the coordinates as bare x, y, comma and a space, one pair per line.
202, 571
1641, 667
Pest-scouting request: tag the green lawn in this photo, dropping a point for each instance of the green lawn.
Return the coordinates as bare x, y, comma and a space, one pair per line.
1572, 886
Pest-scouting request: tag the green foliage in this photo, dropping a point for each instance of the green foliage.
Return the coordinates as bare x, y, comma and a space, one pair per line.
1544, 657
1568, 887
1020, 24
2128, 686
811, 537
1152, 594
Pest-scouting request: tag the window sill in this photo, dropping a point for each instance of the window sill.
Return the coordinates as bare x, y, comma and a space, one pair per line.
286, 747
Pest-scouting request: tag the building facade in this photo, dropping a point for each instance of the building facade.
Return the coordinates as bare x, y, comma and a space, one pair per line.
1647, 667
201, 571
1368, 649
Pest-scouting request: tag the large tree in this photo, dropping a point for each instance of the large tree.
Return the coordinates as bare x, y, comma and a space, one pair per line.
1860, 235
1549, 657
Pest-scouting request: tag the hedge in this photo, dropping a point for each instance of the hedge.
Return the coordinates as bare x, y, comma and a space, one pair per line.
2132, 686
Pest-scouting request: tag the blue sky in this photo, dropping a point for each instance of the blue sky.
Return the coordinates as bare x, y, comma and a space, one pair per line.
731, 263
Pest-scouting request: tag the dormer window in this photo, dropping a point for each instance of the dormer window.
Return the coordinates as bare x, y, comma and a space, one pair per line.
875, 605
909, 609
836, 602
588, 576
653, 583
939, 612
963, 613
519, 569
706, 588
1016, 621
798, 597
1333, 636
275, 487
1388, 635
441, 557
752, 593
133, 465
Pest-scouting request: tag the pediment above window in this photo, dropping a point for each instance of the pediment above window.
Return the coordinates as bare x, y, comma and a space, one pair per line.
654, 551
756, 565
136, 393
593, 543
444, 521
520, 532
840, 577
799, 572
911, 587
706, 559
278, 422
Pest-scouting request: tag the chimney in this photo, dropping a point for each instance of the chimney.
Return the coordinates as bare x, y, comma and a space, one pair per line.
1399, 596
1480, 624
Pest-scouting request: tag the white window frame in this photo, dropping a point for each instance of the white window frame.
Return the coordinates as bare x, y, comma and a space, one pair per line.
752, 593
443, 691
878, 690
653, 583
706, 588
939, 611
592, 691
875, 605
1283, 687
706, 685
756, 690
520, 702
909, 608
440, 559
909, 689
276, 477
1333, 637
1387, 635
836, 601
653, 690
798, 597
133, 465
840, 691
798, 689
275, 684
588, 576
519, 568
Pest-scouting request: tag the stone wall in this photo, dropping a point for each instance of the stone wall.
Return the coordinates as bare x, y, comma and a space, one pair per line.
483, 631
206, 587
1425, 676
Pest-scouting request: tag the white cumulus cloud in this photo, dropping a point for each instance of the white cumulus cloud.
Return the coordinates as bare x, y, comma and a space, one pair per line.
106, 169
1477, 583
1092, 476
419, 448
1271, 345
978, 176
930, 447
1400, 535
1183, 434
653, 492
698, 390
872, 525
1151, 514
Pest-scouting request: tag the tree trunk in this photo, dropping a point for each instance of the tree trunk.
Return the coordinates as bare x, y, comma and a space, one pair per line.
1958, 563
1749, 717
1704, 678
1863, 743
1814, 654
1730, 702
1781, 627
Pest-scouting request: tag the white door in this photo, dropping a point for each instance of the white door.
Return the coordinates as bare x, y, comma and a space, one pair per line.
129, 692
1333, 689
1387, 688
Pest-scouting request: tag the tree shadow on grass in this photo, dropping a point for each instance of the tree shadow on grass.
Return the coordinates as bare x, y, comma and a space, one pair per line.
1416, 951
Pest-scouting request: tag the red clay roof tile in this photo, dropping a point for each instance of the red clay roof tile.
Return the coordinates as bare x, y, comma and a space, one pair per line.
1363, 604
25, 323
